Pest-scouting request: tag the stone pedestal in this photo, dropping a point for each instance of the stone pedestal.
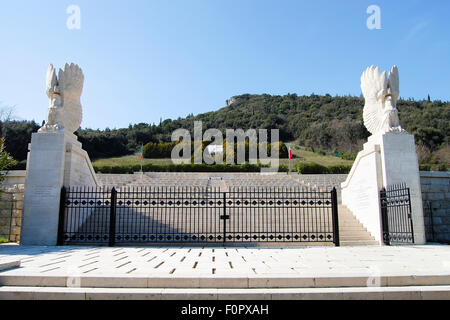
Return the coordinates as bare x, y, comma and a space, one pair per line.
55, 159
400, 165
387, 159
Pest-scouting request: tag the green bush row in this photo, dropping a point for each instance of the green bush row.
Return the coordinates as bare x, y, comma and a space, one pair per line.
130, 169
433, 167
163, 150
315, 168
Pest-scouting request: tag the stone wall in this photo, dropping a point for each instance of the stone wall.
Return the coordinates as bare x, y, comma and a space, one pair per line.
436, 205
11, 204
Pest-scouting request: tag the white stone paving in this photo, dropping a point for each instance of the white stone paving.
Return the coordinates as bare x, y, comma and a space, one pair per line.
212, 262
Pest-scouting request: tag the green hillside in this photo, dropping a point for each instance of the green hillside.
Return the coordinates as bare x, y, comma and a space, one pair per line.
324, 125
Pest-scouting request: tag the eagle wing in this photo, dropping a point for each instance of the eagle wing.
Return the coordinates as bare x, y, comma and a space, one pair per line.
52, 81
394, 83
374, 86
71, 81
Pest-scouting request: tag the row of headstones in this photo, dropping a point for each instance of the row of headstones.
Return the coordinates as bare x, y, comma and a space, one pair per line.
198, 180
231, 180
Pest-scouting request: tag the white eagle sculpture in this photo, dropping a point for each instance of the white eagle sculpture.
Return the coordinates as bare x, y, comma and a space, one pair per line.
64, 92
381, 95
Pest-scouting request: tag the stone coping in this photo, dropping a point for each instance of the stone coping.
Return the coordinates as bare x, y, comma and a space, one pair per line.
16, 173
434, 174
9, 264
367, 293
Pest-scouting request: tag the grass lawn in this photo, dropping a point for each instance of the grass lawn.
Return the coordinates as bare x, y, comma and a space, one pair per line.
308, 156
129, 160
299, 156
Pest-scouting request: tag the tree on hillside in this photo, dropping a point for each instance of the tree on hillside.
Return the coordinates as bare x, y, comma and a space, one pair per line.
6, 161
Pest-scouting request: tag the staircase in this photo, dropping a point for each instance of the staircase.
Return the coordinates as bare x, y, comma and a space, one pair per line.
351, 231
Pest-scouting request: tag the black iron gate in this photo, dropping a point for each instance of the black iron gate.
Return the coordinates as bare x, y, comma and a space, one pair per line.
396, 215
196, 215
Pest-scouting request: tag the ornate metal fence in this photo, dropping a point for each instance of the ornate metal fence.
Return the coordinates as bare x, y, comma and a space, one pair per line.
196, 215
396, 215
429, 221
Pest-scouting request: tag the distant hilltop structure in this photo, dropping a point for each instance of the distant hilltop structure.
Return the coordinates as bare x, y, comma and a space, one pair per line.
231, 101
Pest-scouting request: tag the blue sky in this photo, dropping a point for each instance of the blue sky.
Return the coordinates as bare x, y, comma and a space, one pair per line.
144, 60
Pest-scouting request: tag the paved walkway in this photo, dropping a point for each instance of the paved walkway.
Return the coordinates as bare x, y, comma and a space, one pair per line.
227, 262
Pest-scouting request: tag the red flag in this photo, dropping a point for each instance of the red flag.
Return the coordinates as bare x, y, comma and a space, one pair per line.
290, 153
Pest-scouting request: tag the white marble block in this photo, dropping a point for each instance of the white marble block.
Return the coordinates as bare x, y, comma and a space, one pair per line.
45, 176
55, 159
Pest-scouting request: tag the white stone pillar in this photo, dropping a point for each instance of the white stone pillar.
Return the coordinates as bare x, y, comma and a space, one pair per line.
45, 177
400, 165
55, 159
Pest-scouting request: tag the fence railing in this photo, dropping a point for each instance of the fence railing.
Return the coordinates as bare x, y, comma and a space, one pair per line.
196, 215
429, 221
396, 214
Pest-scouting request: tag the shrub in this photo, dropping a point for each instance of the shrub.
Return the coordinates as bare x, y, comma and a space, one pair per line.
339, 169
433, 167
425, 167
315, 168
347, 156
21, 165
310, 168
6, 161
3, 240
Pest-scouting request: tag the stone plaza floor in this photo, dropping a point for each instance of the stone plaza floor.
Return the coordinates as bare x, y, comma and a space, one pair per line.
219, 273
198, 262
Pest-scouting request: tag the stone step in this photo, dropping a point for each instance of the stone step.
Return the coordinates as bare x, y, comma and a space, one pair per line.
351, 224
352, 232
352, 293
355, 229
356, 243
355, 238
9, 263
320, 280
346, 233
352, 227
359, 233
